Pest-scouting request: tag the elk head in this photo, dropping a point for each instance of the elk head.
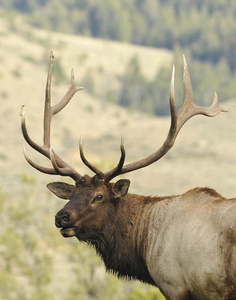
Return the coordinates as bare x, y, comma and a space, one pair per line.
93, 200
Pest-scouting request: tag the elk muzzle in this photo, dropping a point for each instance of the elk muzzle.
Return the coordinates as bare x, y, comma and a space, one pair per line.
64, 220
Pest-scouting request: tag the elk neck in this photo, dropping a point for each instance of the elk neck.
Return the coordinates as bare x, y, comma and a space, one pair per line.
123, 243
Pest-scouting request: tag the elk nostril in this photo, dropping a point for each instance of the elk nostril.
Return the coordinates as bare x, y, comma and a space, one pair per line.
65, 217
61, 219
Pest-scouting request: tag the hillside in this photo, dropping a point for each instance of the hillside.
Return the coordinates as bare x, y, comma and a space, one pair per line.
203, 27
204, 154
24, 58
203, 30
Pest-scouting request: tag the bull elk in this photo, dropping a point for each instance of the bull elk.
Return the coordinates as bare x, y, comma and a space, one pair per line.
183, 244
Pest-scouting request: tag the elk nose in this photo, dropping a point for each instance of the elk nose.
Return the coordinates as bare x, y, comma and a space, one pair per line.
62, 219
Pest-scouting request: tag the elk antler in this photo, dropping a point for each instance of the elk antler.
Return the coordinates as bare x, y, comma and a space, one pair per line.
187, 110
114, 172
59, 166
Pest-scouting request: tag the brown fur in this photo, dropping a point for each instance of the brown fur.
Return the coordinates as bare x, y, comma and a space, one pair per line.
113, 229
117, 224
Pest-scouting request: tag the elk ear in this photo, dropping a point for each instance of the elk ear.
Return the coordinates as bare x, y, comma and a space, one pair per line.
120, 188
61, 189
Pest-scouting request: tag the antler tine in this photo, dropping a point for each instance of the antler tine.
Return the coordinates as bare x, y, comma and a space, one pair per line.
59, 165
50, 111
47, 107
173, 112
187, 110
65, 170
116, 171
67, 97
87, 163
26, 135
38, 167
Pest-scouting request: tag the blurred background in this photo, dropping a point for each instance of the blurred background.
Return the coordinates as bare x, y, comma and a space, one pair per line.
122, 53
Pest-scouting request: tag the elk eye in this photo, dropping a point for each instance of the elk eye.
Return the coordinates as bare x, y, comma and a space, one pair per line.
97, 198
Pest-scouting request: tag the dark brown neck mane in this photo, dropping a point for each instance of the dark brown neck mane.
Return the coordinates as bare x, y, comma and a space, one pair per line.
120, 249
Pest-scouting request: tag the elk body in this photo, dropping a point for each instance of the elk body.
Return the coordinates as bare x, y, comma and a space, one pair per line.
183, 244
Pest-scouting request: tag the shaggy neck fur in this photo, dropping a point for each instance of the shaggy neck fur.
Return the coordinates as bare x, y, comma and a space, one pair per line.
122, 245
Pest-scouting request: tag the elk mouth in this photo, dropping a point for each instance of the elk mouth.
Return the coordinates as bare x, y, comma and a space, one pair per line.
68, 232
